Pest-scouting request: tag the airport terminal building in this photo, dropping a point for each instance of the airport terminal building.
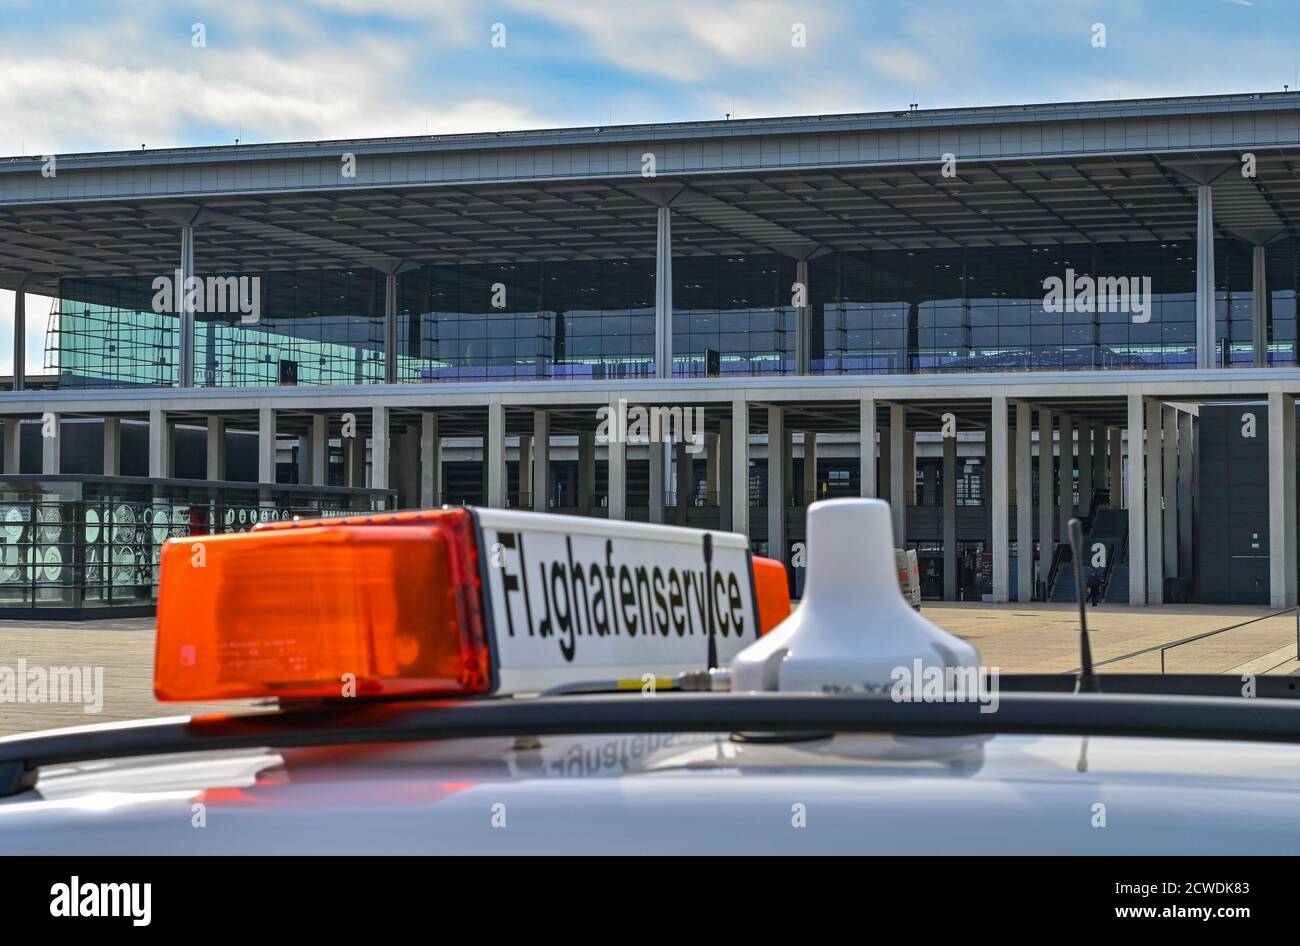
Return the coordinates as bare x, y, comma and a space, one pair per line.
996, 318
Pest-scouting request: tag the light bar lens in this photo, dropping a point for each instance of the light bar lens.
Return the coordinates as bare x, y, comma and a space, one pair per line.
323, 610
772, 588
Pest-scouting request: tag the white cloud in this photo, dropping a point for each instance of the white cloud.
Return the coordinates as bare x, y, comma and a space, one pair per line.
904, 65
50, 105
462, 21
686, 40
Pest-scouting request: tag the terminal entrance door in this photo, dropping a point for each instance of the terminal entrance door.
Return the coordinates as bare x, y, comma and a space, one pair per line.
974, 571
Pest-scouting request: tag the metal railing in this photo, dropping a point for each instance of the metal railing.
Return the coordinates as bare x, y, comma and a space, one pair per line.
1060, 555
1233, 627
1120, 558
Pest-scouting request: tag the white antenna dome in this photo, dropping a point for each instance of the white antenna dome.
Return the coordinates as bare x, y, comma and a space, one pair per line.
853, 629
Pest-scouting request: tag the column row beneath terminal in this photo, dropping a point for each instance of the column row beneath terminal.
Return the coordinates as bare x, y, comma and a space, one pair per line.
1070, 463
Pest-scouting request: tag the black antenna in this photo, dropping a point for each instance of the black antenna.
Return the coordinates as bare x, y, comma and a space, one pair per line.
708, 583
1087, 682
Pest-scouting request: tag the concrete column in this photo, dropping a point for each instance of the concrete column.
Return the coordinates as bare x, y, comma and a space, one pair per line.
898, 472
379, 437
20, 334
354, 461
802, 323
1085, 467
617, 473
725, 484
185, 357
1205, 341
494, 451
541, 459
867, 448
739, 465
13, 442
655, 451
390, 328
949, 518
430, 460
112, 446
159, 447
1259, 307
664, 294
265, 444
1185, 561
1169, 489
1115, 458
809, 468
776, 545
1281, 500
1024, 503
1046, 495
685, 485
216, 448
1065, 475
1136, 501
1000, 499
586, 469
1154, 484
320, 450
51, 443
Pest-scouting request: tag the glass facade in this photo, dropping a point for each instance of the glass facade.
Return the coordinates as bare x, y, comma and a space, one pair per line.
590, 319
900, 311
986, 309
738, 306
328, 324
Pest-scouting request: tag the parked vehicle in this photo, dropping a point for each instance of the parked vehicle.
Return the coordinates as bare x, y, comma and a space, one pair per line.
909, 576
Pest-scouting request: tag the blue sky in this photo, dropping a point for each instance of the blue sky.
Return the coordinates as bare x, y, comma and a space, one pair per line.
79, 75
85, 75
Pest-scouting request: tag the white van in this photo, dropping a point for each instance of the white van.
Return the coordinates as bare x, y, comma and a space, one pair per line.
909, 576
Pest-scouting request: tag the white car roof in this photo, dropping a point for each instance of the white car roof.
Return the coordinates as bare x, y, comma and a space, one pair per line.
677, 793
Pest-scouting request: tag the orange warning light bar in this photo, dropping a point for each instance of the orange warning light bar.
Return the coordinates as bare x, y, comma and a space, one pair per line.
772, 589
324, 610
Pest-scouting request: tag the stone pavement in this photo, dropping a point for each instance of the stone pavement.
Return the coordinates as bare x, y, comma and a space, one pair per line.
1015, 638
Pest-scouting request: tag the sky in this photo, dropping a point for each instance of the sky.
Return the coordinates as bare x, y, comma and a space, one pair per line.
87, 75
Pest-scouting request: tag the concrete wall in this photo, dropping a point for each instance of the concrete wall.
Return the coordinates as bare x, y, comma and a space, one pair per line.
1233, 533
